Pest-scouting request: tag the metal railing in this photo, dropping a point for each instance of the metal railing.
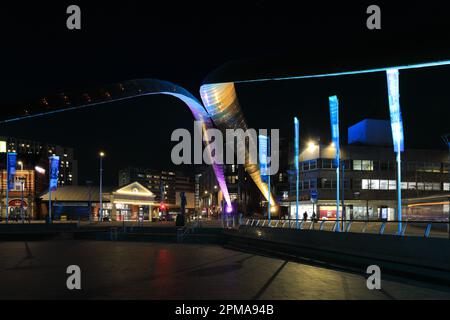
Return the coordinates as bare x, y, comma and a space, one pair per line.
427, 229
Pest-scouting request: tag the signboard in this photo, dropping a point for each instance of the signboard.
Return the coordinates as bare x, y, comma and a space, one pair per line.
263, 142
12, 157
54, 172
394, 110
313, 196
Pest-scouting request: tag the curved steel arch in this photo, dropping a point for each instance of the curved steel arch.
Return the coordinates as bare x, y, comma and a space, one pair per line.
222, 104
133, 89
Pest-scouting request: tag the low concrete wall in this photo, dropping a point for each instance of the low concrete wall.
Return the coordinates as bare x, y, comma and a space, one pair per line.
424, 257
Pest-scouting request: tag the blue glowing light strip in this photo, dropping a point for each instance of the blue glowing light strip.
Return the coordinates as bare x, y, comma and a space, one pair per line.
355, 72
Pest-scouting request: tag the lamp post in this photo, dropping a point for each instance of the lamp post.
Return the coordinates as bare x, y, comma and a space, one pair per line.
446, 139
41, 171
7, 189
100, 211
21, 200
20, 163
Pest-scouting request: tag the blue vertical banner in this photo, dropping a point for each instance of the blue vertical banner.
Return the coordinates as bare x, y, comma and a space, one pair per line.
263, 142
297, 164
334, 119
394, 110
397, 134
11, 170
54, 172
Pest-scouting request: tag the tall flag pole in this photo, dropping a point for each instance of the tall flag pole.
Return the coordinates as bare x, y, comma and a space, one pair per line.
263, 144
334, 118
397, 133
11, 158
53, 182
296, 160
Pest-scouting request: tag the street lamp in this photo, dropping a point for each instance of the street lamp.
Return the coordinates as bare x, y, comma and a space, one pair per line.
22, 182
20, 163
311, 146
446, 139
39, 170
100, 212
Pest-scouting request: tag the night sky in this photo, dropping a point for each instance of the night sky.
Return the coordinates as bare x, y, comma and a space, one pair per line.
184, 42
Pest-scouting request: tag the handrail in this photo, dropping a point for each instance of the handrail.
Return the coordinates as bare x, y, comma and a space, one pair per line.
287, 223
362, 220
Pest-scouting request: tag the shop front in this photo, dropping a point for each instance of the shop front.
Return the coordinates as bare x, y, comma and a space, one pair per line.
132, 202
352, 210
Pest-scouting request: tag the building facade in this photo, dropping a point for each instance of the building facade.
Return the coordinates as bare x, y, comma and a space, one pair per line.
368, 180
31, 178
166, 185
34, 153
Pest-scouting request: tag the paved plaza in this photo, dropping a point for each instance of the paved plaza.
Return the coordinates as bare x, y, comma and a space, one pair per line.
126, 270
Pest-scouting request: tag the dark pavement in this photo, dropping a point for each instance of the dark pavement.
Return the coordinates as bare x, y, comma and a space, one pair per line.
128, 270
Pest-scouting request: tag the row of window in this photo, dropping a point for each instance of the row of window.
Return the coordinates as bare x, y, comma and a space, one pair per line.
373, 184
374, 165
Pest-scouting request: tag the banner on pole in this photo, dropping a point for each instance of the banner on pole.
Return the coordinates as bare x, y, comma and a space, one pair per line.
334, 119
263, 142
297, 143
54, 172
11, 170
394, 110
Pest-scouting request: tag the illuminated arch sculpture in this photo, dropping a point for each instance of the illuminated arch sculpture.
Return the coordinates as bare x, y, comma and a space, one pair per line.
125, 91
222, 104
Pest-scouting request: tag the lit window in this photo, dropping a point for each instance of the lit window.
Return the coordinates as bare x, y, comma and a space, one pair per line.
383, 184
365, 184
393, 185
357, 165
412, 185
446, 186
374, 184
428, 186
367, 165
